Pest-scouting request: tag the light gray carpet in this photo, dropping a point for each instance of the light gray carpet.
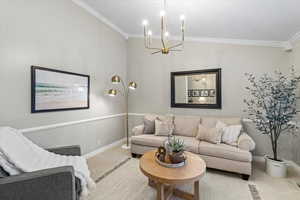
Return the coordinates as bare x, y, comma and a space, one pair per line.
128, 183
119, 178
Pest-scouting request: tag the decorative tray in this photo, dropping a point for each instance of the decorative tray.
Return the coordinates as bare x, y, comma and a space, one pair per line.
168, 163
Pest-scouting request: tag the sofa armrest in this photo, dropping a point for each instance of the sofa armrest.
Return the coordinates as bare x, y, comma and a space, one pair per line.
245, 142
56, 183
138, 130
67, 151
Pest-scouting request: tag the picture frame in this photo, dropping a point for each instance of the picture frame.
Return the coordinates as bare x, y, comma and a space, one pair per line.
215, 92
56, 90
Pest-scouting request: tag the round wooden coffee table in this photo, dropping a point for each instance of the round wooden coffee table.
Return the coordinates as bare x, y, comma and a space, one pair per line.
165, 179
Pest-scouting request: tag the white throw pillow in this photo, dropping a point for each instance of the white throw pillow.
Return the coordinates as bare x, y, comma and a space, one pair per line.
230, 134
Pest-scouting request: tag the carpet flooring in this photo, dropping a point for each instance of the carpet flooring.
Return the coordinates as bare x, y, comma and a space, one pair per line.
119, 178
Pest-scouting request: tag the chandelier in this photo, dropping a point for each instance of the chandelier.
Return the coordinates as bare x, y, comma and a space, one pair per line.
166, 46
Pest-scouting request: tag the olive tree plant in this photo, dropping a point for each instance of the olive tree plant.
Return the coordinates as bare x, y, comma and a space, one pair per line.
271, 105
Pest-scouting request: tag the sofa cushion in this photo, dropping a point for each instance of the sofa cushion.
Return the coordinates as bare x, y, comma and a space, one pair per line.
149, 122
210, 122
186, 125
224, 151
163, 127
212, 135
191, 144
149, 140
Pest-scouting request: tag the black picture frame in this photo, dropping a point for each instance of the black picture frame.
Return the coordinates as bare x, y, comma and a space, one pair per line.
218, 92
33, 90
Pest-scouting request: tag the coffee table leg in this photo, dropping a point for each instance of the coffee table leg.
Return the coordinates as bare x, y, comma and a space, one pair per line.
196, 190
160, 191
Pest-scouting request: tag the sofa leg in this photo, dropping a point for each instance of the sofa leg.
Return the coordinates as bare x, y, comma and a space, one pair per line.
134, 155
245, 177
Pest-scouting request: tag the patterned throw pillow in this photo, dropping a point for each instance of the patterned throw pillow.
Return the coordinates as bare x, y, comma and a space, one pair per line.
163, 127
149, 126
212, 135
230, 133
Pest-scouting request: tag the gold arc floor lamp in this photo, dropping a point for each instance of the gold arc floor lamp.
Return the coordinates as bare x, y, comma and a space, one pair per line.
126, 89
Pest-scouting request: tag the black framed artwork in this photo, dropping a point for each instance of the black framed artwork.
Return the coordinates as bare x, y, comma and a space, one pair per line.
56, 90
196, 89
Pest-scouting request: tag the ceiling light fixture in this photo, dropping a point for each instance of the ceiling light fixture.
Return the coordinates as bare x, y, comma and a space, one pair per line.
165, 35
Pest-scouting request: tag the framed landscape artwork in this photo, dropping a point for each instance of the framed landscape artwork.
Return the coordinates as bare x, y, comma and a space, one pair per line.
55, 90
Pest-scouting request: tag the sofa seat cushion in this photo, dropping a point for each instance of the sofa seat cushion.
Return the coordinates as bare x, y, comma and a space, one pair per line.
149, 140
224, 151
186, 125
191, 144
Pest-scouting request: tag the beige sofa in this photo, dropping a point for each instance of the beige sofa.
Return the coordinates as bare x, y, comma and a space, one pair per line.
218, 156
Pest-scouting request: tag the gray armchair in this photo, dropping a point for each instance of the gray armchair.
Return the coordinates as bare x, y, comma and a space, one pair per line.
50, 184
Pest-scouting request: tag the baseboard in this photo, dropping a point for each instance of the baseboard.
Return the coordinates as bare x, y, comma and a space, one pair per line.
290, 163
295, 166
104, 148
258, 158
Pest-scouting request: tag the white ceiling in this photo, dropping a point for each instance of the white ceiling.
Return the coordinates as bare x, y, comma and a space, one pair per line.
269, 20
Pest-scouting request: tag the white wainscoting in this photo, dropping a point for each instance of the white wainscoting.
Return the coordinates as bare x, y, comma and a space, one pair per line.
52, 126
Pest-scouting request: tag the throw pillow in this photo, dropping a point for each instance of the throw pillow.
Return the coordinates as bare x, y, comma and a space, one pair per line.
230, 134
163, 127
149, 126
212, 135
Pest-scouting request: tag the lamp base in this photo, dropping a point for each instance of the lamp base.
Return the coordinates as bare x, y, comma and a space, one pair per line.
126, 147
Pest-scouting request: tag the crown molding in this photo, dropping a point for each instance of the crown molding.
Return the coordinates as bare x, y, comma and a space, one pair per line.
277, 44
287, 45
99, 16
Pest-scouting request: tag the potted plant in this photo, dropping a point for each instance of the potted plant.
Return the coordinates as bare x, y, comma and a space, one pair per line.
272, 108
175, 147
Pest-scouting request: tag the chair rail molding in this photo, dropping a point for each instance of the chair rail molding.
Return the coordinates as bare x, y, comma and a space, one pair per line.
57, 125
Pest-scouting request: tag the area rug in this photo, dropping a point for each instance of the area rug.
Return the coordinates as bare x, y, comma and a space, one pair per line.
126, 182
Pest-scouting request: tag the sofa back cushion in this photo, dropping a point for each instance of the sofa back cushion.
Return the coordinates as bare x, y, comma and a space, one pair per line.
186, 125
210, 122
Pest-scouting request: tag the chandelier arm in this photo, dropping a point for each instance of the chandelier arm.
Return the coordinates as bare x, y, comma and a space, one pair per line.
176, 50
176, 45
151, 48
156, 52
145, 37
162, 32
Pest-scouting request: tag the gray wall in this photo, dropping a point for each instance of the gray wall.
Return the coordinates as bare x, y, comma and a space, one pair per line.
152, 73
59, 34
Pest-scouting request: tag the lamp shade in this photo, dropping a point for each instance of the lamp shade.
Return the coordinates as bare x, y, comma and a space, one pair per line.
112, 92
132, 85
116, 79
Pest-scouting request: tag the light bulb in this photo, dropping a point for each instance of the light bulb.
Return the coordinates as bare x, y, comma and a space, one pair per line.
145, 23
149, 32
162, 13
182, 17
167, 34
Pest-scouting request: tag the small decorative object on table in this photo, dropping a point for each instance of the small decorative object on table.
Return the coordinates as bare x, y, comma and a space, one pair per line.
161, 154
176, 150
172, 155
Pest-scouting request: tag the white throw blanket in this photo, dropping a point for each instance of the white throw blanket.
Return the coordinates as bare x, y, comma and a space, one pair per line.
28, 157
